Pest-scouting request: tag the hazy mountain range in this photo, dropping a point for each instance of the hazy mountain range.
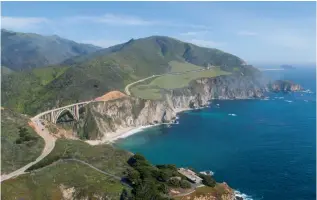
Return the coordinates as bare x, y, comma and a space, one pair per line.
29, 50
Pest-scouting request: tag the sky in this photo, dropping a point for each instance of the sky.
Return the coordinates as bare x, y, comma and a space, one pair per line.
258, 32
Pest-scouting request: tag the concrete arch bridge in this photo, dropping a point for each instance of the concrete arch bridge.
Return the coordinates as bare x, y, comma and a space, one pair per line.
54, 114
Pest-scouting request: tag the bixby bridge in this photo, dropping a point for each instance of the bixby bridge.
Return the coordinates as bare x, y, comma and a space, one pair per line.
54, 114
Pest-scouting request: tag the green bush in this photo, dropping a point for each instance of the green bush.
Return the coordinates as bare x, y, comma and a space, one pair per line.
185, 184
208, 180
25, 136
174, 182
163, 176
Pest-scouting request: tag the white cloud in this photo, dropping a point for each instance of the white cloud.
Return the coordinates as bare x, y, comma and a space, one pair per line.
17, 23
112, 19
194, 33
103, 43
128, 20
206, 43
247, 33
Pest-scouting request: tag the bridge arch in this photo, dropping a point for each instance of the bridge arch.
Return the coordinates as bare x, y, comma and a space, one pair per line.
60, 112
54, 114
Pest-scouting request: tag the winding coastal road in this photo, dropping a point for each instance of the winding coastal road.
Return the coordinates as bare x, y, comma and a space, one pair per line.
49, 146
126, 89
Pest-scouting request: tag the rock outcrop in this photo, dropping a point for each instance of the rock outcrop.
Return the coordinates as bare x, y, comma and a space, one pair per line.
102, 119
284, 86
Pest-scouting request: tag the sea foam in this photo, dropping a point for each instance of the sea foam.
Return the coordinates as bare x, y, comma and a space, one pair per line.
242, 195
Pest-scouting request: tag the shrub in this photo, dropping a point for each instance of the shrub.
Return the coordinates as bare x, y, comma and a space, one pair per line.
174, 182
163, 188
24, 136
208, 180
185, 184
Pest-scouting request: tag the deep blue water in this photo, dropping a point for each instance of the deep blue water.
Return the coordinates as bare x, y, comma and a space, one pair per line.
267, 151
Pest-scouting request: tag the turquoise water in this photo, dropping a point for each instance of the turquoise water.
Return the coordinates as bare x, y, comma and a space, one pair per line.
267, 150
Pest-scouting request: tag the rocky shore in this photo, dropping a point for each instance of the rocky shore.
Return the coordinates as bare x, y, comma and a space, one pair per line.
105, 121
284, 86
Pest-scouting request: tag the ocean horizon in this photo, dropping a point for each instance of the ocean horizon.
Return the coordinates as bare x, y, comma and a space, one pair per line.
263, 148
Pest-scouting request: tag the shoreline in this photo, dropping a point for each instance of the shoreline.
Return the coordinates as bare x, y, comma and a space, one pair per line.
128, 131
112, 137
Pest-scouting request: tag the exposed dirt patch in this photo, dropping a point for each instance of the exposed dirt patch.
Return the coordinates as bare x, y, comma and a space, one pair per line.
111, 96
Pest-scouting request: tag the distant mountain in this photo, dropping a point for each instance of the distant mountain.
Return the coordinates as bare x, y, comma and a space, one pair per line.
29, 50
89, 76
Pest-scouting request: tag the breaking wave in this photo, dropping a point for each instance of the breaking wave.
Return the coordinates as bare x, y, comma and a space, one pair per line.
242, 195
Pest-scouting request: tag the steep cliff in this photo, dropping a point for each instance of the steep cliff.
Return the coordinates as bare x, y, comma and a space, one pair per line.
102, 119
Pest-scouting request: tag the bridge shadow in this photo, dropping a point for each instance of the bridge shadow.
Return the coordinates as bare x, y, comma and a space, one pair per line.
66, 117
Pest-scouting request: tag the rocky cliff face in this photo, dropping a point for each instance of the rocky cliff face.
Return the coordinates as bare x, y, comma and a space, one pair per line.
284, 86
102, 119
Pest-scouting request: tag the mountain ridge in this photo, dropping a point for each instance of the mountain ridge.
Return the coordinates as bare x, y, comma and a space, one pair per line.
89, 76
29, 50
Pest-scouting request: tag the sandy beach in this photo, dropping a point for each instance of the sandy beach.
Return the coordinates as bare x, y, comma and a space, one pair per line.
120, 133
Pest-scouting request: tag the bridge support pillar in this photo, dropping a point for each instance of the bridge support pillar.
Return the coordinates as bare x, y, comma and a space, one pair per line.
52, 117
77, 111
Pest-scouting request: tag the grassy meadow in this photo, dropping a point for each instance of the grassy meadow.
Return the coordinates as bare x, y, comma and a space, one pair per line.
153, 89
47, 183
104, 157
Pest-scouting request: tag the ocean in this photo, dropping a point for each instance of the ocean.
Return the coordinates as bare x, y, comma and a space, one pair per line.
265, 149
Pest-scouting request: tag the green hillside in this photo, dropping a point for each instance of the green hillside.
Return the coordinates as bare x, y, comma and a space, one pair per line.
29, 50
19, 142
20, 89
113, 68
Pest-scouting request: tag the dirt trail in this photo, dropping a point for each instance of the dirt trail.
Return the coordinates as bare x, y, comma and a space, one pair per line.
49, 146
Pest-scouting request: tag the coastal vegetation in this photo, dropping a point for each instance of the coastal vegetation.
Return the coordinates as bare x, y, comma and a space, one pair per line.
153, 182
208, 180
55, 181
19, 142
86, 171
104, 157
